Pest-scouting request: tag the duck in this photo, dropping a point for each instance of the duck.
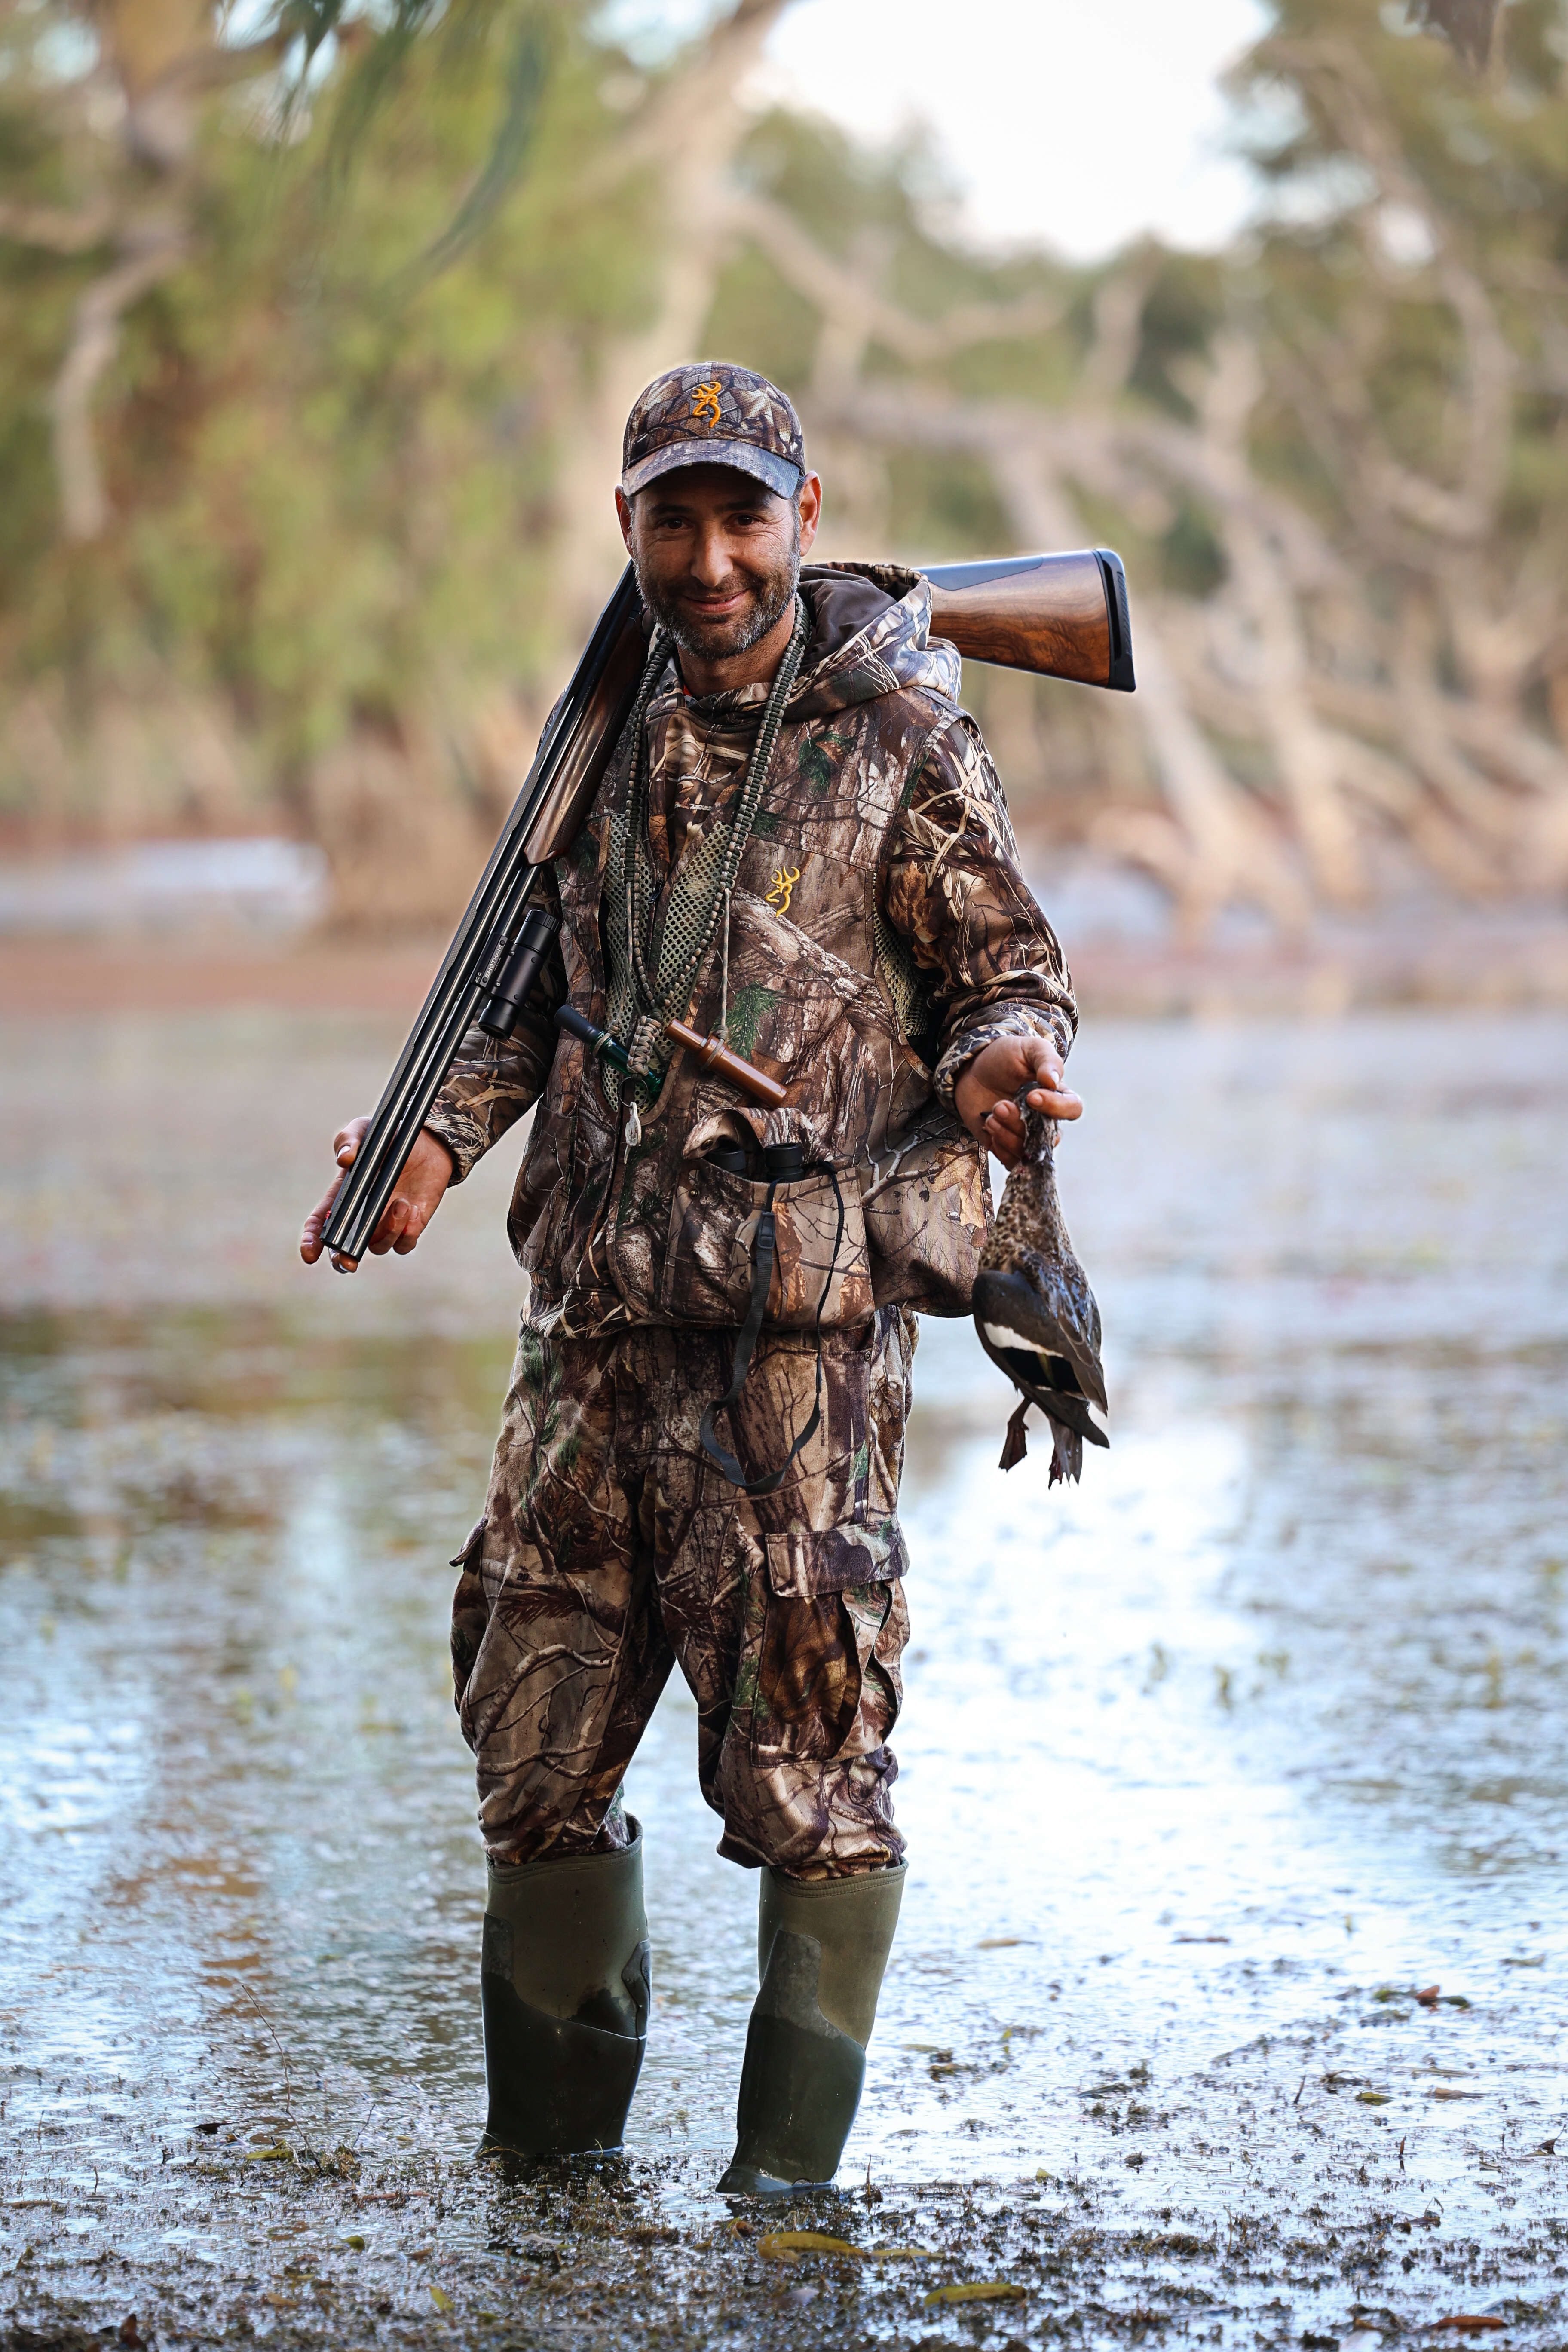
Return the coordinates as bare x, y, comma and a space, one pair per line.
1035, 1314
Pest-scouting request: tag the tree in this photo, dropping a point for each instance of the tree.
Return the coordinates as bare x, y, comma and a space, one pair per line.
347, 465
297, 368
1333, 458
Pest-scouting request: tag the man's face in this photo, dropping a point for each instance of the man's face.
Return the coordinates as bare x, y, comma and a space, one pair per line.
716, 555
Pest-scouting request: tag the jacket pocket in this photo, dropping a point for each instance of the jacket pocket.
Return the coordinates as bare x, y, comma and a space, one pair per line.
820, 1256
927, 1207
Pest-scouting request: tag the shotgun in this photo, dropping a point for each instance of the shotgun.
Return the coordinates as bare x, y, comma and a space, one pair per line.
1060, 615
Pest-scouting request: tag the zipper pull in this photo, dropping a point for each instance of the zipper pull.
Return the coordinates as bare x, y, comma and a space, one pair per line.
634, 1125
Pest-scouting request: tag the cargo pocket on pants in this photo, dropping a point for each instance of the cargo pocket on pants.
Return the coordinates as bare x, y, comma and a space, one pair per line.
470, 1612
827, 1679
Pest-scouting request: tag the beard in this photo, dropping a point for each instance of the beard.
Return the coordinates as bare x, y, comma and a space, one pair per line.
769, 595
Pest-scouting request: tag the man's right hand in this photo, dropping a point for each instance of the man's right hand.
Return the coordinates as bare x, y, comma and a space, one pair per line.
426, 1172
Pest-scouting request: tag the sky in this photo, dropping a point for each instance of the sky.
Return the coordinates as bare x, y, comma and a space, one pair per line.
1076, 123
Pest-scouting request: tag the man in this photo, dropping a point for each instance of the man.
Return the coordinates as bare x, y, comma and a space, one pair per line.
800, 843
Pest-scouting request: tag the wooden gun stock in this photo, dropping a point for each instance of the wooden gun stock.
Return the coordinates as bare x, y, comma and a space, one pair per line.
1061, 615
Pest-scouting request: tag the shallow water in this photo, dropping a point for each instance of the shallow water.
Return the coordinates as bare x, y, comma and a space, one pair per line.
1208, 1764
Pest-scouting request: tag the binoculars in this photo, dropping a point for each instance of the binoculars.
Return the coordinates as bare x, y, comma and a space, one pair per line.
782, 1163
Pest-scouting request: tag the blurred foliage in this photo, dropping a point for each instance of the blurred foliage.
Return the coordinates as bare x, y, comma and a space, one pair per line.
338, 430
1400, 179
326, 437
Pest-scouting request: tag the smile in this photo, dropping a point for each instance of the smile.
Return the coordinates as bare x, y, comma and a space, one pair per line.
710, 606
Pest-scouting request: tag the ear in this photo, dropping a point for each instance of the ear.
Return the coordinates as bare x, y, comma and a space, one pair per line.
809, 501
624, 517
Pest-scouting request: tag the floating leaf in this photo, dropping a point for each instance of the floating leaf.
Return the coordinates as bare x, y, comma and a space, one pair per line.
357, 2242
440, 2298
1373, 2098
900, 2253
779, 2244
977, 2291
269, 2155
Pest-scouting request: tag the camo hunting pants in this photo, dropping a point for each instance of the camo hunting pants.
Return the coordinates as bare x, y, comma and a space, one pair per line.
611, 1549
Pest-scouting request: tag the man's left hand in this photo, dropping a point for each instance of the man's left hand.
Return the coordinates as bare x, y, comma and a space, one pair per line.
986, 1085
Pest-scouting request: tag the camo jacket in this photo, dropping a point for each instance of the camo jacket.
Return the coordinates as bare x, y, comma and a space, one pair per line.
881, 932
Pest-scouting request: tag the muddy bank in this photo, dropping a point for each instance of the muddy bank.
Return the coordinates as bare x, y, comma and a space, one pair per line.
1212, 1770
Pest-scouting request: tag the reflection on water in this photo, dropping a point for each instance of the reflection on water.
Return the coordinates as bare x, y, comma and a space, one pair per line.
1202, 1762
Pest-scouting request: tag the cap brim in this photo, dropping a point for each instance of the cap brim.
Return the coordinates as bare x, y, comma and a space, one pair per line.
780, 474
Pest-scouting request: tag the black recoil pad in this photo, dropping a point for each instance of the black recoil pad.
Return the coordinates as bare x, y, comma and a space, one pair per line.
1120, 678
514, 983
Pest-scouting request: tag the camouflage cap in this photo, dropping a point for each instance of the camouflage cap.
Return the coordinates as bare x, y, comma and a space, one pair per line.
713, 414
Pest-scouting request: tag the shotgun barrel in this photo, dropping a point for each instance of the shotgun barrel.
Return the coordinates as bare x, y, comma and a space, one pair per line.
1061, 615
573, 751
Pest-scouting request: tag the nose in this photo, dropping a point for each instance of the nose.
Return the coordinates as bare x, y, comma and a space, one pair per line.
711, 564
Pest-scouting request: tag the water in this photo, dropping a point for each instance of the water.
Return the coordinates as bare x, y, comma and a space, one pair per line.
263, 886
1208, 1766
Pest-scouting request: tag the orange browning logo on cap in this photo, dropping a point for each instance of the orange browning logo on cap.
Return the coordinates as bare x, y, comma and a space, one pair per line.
705, 404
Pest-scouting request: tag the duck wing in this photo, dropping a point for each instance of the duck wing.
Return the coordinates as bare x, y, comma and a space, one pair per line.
1043, 1364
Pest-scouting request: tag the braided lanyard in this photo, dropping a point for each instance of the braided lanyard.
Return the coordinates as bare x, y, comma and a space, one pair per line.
688, 934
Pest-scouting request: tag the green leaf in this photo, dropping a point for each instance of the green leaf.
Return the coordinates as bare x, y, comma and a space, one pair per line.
749, 1008
528, 73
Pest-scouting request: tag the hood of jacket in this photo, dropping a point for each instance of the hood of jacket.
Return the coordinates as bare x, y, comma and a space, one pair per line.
871, 637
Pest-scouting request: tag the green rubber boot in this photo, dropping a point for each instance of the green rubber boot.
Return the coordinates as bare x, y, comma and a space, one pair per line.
822, 1946
565, 1989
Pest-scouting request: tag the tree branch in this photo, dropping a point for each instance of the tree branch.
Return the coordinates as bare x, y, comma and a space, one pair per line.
95, 335
53, 230
849, 297
1344, 87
